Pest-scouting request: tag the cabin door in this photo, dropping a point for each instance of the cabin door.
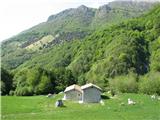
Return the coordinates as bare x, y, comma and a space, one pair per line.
79, 96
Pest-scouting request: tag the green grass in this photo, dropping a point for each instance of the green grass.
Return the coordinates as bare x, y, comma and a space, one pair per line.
42, 108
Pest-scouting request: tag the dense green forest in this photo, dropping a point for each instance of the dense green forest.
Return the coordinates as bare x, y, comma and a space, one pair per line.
123, 57
68, 25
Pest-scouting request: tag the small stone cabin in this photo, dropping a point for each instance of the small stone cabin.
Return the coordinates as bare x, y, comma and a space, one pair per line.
91, 93
73, 92
88, 93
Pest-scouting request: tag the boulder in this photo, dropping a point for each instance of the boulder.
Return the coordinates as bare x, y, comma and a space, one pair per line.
59, 103
49, 95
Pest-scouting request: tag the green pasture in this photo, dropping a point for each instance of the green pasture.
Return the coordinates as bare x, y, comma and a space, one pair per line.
43, 108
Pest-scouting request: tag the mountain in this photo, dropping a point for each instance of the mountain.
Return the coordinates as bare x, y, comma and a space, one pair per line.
68, 25
127, 51
127, 42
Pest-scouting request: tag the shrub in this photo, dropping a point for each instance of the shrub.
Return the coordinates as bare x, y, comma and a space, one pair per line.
11, 92
124, 84
45, 85
150, 84
24, 91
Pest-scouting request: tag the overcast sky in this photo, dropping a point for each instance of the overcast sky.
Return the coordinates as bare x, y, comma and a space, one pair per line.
19, 15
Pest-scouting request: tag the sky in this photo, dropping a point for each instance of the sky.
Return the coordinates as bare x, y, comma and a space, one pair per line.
19, 15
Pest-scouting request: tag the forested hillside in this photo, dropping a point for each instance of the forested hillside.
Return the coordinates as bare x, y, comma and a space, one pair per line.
123, 57
68, 25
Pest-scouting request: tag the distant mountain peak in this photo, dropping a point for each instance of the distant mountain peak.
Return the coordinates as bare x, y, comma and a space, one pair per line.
104, 7
82, 6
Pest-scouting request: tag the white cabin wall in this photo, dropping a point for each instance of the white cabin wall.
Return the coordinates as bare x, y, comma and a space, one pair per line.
91, 95
73, 95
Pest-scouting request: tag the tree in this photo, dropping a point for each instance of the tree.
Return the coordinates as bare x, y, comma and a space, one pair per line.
6, 81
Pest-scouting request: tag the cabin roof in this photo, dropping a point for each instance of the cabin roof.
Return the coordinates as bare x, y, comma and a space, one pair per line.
90, 85
73, 87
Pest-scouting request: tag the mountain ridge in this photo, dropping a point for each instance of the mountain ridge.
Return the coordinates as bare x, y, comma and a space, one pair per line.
68, 25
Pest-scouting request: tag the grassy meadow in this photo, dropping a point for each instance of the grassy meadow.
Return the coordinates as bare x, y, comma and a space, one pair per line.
43, 108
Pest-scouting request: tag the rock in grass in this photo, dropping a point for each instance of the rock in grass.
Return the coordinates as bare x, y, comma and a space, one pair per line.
49, 95
59, 103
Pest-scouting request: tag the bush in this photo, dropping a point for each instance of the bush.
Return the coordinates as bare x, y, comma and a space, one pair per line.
124, 84
11, 92
24, 91
150, 84
45, 86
